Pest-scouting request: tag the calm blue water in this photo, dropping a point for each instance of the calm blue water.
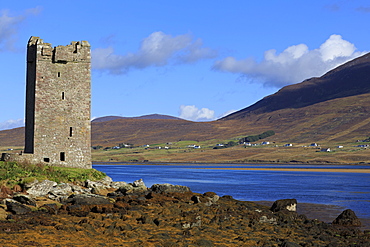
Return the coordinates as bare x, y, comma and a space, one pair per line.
348, 190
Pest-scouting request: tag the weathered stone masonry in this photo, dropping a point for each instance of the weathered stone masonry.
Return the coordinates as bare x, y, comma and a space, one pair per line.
58, 101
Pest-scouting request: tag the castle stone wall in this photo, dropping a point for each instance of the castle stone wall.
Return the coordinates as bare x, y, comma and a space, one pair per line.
58, 101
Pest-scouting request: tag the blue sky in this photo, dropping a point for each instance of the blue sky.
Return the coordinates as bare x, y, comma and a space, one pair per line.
198, 60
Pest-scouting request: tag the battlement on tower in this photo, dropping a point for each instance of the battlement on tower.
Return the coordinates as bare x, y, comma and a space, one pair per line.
77, 51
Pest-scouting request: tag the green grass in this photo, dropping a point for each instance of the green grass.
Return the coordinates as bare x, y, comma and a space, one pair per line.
12, 173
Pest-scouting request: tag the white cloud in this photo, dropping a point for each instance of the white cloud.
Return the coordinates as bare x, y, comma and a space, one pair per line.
294, 64
158, 49
190, 112
9, 27
11, 124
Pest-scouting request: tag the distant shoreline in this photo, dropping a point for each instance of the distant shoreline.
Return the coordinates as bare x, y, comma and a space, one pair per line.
290, 169
261, 163
296, 169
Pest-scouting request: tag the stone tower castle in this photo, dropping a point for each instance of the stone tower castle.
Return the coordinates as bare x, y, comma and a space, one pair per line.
58, 129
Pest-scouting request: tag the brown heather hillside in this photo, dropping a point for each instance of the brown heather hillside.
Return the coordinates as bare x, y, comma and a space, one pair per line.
150, 116
338, 120
12, 137
334, 108
349, 79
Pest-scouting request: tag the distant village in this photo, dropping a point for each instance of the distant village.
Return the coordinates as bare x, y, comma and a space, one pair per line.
231, 144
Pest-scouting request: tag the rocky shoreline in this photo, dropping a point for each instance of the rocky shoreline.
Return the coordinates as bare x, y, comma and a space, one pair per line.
107, 213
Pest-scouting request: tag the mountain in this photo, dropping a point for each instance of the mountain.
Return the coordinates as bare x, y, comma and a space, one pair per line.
150, 116
331, 108
349, 79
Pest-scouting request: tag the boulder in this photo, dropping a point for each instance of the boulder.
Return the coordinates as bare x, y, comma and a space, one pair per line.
80, 190
16, 208
96, 186
41, 188
24, 199
92, 184
211, 198
125, 189
106, 181
265, 219
284, 205
60, 192
30, 184
196, 199
87, 199
117, 185
139, 184
167, 188
347, 218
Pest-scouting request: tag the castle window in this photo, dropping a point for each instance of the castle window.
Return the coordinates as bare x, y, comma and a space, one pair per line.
63, 95
46, 160
70, 131
62, 156
58, 74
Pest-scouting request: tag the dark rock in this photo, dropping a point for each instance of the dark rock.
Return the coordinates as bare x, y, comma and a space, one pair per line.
196, 199
284, 205
87, 199
167, 188
116, 193
16, 207
287, 217
347, 218
25, 199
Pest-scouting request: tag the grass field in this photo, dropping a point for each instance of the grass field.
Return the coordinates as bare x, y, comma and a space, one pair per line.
350, 153
182, 151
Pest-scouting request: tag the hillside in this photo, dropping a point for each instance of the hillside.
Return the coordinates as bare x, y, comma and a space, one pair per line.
150, 116
332, 108
349, 79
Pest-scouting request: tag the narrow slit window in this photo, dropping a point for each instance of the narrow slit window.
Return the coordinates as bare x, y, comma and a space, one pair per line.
63, 96
62, 156
58, 74
70, 131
